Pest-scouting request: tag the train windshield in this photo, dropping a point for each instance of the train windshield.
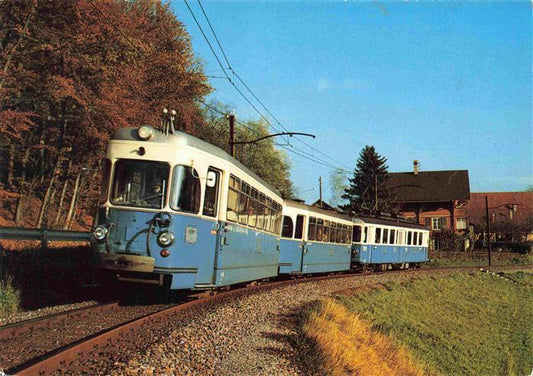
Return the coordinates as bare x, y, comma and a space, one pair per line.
141, 184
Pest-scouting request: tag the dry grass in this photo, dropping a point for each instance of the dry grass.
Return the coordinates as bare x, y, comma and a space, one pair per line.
349, 346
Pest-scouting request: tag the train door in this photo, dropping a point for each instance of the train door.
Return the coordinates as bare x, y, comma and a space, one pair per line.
374, 257
401, 246
207, 253
298, 235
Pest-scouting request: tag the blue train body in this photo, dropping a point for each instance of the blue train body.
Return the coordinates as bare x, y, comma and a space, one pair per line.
178, 212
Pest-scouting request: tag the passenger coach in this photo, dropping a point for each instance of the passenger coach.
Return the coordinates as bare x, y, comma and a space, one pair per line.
388, 242
180, 212
313, 240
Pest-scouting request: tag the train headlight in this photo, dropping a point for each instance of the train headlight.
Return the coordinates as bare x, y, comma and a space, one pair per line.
165, 238
145, 132
100, 232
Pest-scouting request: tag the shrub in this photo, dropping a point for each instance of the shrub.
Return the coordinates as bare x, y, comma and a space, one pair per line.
9, 297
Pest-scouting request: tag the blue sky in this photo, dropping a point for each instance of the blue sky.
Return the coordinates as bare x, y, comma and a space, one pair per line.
446, 83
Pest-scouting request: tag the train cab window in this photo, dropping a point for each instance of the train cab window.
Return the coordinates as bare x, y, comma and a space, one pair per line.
392, 238
385, 236
211, 193
299, 230
357, 234
415, 240
141, 184
377, 238
286, 232
365, 235
186, 190
106, 171
409, 237
420, 234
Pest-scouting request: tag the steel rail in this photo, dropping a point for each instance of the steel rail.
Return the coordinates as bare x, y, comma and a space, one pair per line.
16, 328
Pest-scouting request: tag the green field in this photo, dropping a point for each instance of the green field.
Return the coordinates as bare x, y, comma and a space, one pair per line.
460, 324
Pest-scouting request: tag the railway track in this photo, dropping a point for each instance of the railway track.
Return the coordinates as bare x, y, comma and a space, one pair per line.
29, 342
75, 341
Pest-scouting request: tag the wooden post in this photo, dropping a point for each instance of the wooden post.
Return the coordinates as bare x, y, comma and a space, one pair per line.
231, 135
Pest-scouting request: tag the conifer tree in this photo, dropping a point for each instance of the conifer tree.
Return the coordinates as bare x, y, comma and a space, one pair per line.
367, 192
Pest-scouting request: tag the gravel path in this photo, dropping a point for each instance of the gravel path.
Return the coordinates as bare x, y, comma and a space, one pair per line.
254, 335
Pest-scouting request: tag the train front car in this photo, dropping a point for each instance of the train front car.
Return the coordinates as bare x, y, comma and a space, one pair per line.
387, 243
313, 240
167, 214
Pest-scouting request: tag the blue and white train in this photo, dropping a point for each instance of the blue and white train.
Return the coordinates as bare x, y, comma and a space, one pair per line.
178, 212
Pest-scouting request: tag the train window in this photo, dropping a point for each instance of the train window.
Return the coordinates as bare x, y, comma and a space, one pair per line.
286, 232
106, 172
211, 195
260, 215
357, 234
252, 212
365, 235
327, 232
348, 234
339, 233
420, 238
378, 235
319, 230
141, 184
244, 208
385, 236
268, 216
298, 231
415, 240
186, 190
392, 236
311, 230
409, 237
233, 196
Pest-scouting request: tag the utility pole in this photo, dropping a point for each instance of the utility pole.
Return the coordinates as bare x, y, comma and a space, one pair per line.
320, 189
488, 226
231, 135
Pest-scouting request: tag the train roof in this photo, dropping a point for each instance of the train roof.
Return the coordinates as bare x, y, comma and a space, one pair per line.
184, 139
390, 222
314, 209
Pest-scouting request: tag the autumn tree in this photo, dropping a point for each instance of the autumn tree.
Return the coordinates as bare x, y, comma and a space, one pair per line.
262, 157
367, 191
72, 72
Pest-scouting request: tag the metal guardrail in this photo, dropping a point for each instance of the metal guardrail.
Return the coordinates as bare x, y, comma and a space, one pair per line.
43, 235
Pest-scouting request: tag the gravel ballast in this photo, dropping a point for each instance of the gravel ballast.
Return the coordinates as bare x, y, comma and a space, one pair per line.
254, 335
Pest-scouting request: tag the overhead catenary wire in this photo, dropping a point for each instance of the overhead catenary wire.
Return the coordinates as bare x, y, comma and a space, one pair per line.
285, 147
292, 149
230, 68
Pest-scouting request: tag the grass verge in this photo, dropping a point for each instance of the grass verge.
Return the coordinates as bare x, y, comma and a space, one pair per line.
461, 324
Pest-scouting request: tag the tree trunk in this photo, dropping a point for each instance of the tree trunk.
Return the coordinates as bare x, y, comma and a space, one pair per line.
72, 205
47, 197
63, 194
10, 166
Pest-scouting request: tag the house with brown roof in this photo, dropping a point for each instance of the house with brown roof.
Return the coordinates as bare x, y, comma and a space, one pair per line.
510, 213
436, 199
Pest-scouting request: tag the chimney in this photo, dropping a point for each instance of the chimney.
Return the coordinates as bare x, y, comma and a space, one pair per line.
416, 164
